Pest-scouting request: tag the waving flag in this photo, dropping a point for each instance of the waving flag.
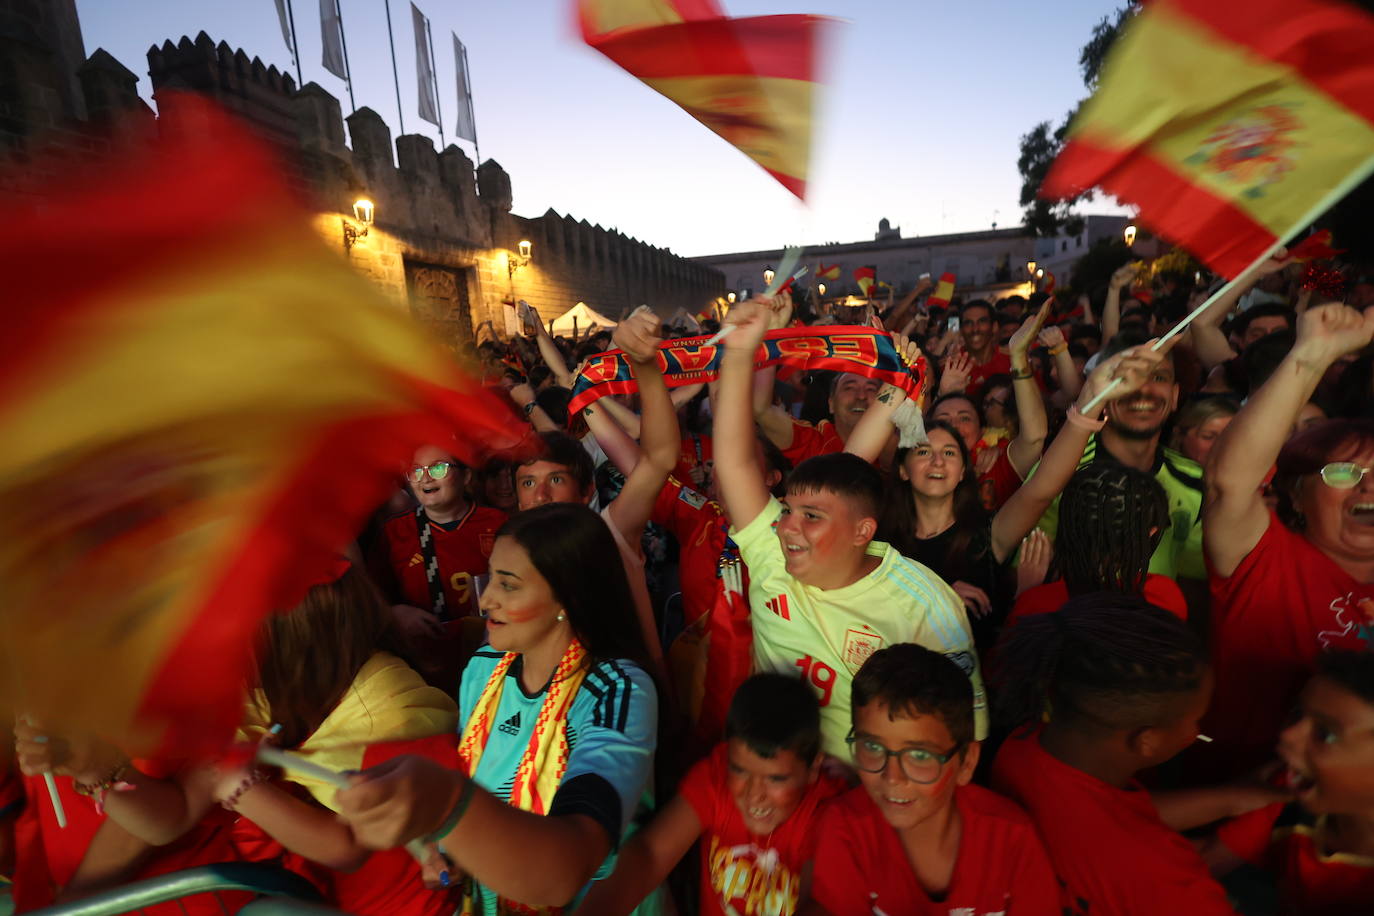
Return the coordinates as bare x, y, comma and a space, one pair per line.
831, 272
199, 410
864, 276
1231, 124
944, 291
1316, 247
752, 81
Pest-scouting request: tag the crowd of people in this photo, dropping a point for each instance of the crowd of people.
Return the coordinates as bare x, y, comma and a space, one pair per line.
1097, 642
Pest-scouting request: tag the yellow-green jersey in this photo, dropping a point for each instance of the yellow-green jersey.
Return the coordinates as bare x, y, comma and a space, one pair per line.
825, 635
1179, 554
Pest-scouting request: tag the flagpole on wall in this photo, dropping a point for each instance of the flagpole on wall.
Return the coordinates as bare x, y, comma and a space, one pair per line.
395, 77
348, 69
434, 78
295, 45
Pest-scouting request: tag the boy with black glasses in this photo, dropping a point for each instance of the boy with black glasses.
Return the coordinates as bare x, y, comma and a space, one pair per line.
916, 835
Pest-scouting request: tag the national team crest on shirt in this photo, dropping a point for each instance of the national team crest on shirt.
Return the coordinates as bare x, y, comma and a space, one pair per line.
486, 541
858, 646
691, 498
1254, 149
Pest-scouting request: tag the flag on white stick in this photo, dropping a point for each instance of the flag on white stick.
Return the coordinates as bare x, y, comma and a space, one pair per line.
465, 123
424, 67
331, 37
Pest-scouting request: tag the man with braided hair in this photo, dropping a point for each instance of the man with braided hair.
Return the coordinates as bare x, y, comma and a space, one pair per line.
1112, 519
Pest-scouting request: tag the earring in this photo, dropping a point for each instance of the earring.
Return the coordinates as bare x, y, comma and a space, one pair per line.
560, 618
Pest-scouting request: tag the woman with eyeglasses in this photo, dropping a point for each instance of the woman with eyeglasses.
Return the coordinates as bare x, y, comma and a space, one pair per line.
434, 556
1289, 583
916, 836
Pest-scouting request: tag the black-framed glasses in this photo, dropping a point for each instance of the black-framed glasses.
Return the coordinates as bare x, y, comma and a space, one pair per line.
918, 764
436, 471
1343, 475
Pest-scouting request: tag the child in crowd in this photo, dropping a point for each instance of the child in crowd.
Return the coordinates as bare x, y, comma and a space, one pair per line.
753, 803
916, 837
823, 594
1123, 684
1320, 846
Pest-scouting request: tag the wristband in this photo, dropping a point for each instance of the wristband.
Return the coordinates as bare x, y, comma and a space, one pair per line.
1021, 375
1077, 419
529, 408
1055, 351
460, 808
230, 802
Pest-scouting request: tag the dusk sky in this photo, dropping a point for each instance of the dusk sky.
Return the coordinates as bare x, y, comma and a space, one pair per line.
919, 121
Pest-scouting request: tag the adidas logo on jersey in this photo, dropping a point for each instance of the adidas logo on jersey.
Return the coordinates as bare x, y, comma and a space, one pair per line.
416, 560
511, 726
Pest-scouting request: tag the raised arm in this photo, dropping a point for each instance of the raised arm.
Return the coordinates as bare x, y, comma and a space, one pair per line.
874, 429
1234, 517
773, 420
738, 474
1111, 309
1020, 513
1209, 341
553, 357
1025, 449
660, 440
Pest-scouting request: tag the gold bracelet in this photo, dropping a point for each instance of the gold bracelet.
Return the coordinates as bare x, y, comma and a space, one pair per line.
1055, 351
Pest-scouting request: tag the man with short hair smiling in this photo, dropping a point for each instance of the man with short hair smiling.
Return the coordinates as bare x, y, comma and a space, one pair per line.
1131, 435
978, 329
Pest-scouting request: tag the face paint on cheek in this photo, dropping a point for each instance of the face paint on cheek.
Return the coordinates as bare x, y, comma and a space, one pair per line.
522, 615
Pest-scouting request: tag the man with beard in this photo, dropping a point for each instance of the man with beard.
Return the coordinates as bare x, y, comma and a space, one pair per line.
977, 328
1131, 436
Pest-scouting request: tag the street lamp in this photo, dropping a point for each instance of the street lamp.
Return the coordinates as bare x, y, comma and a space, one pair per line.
730, 297
363, 212
1040, 272
768, 275
1129, 236
520, 260
821, 288
1030, 268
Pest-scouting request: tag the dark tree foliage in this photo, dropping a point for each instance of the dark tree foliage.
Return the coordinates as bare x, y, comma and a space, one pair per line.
1042, 144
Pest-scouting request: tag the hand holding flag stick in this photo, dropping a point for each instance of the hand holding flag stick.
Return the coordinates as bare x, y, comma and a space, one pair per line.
786, 275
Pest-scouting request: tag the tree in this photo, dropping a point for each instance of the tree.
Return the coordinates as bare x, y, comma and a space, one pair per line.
1040, 147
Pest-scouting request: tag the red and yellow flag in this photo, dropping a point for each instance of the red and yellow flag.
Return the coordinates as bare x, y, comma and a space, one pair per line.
1316, 247
828, 272
865, 276
200, 405
944, 291
752, 81
1231, 124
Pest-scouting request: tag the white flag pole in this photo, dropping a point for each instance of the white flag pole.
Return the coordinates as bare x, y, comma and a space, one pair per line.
295, 45
395, 76
1348, 184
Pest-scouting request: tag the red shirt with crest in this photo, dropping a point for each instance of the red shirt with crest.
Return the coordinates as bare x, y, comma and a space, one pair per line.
463, 552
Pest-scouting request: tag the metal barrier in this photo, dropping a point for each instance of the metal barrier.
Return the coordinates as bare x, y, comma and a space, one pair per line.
269, 880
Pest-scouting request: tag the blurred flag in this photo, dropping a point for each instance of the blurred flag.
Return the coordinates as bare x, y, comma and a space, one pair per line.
752, 81
864, 276
1231, 124
331, 36
285, 28
465, 123
944, 291
1316, 247
199, 411
831, 272
424, 67
1048, 286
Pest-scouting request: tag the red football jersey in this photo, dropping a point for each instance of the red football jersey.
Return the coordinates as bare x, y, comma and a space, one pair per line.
1000, 364
1160, 591
1112, 852
862, 869
697, 451
740, 872
809, 441
1285, 603
462, 553
1286, 841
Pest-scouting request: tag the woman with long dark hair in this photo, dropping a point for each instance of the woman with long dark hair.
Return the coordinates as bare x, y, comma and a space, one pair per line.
559, 727
936, 516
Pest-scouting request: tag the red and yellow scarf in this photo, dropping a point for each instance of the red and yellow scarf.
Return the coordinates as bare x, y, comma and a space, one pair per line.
545, 760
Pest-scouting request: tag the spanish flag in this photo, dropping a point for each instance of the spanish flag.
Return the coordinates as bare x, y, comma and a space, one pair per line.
1231, 124
864, 276
1316, 247
944, 291
752, 81
200, 403
831, 272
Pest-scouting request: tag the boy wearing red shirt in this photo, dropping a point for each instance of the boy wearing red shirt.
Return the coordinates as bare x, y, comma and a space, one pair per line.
753, 804
917, 837
1320, 847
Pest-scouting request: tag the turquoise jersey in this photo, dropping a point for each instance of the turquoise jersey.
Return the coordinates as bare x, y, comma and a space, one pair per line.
612, 730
